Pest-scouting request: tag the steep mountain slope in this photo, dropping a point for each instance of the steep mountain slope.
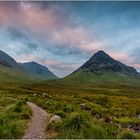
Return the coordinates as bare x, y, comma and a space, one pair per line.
7, 60
38, 70
103, 69
11, 71
102, 62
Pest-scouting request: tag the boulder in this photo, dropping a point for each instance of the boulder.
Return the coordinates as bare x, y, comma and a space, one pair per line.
55, 119
35, 94
45, 95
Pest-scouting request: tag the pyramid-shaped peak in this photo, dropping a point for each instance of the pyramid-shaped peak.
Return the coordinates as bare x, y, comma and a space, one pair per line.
101, 54
102, 62
101, 57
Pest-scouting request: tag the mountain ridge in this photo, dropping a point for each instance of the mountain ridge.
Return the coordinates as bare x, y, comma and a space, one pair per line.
39, 70
11, 70
7, 60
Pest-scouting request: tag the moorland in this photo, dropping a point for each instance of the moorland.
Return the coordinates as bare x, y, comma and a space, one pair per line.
101, 99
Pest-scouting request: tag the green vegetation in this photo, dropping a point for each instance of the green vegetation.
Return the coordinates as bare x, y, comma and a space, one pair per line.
88, 110
15, 75
126, 134
101, 78
13, 117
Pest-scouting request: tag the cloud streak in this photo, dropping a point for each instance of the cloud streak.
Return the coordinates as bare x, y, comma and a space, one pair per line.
48, 24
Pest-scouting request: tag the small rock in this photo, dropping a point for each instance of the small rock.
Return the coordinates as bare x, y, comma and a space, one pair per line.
35, 94
98, 116
55, 119
84, 107
45, 95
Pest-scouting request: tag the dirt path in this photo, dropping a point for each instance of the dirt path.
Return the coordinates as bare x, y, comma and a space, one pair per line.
37, 126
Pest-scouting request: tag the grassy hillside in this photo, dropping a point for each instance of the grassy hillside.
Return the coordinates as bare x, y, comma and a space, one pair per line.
8, 75
16, 75
101, 78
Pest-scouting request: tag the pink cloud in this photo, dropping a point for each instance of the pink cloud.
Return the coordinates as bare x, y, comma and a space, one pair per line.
27, 58
123, 57
49, 24
136, 66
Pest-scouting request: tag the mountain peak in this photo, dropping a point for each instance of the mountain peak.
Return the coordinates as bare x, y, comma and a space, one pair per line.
101, 52
38, 69
100, 58
101, 55
102, 62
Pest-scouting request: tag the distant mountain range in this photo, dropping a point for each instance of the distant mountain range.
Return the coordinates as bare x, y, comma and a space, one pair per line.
100, 68
11, 71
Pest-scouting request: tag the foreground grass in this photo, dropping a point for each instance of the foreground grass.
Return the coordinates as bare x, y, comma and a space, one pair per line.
108, 111
13, 117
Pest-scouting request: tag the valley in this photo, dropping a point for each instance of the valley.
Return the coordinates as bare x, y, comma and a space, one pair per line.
93, 104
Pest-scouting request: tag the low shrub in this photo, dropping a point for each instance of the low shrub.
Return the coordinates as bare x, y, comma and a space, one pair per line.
68, 108
96, 132
76, 121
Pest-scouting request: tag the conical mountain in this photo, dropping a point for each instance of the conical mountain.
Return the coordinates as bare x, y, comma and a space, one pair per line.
103, 69
102, 62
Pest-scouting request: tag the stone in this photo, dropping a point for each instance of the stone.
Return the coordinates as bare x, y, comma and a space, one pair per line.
55, 119
45, 95
35, 94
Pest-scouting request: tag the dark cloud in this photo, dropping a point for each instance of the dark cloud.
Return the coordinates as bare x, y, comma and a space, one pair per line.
66, 50
17, 34
21, 36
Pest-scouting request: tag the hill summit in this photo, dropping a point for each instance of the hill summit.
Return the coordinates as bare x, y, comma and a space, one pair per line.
38, 70
102, 62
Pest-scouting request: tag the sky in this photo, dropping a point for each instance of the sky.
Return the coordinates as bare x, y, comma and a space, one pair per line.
64, 35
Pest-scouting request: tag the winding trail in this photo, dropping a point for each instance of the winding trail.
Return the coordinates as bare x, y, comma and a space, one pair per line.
38, 124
